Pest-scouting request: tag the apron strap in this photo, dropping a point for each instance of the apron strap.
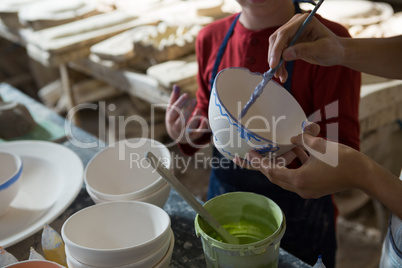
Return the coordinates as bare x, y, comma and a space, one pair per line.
289, 65
391, 238
288, 83
222, 50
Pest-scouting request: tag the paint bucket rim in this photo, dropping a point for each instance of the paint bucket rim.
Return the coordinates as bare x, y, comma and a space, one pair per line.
254, 247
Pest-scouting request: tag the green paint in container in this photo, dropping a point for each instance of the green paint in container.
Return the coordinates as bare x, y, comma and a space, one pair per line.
258, 223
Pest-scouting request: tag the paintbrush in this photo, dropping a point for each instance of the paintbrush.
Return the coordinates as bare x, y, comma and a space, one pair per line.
267, 76
190, 199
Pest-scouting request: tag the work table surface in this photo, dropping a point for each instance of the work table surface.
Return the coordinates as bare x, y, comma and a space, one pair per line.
187, 250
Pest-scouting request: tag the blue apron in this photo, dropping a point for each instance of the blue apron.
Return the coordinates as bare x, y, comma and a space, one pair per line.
392, 246
310, 229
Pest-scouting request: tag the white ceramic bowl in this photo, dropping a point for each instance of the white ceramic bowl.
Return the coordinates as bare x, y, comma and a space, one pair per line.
10, 179
149, 261
267, 126
121, 171
34, 264
115, 233
158, 198
164, 263
97, 200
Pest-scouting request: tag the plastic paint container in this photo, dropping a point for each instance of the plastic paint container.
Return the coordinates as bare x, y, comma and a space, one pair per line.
258, 223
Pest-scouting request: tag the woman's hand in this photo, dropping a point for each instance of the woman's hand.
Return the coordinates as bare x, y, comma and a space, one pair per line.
316, 45
327, 167
255, 161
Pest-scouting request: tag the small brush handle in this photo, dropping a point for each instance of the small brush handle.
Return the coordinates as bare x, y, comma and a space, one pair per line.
190, 199
267, 76
297, 35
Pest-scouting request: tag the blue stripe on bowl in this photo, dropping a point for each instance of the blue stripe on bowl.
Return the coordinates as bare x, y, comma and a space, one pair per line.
244, 133
12, 180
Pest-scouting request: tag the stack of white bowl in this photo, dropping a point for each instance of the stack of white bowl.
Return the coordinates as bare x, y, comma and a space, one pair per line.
121, 172
127, 234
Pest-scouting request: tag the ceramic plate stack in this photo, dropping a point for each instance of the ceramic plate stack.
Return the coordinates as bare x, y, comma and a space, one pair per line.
122, 173
127, 234
52, 177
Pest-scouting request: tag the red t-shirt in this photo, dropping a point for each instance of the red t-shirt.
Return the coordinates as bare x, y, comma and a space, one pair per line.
313, 86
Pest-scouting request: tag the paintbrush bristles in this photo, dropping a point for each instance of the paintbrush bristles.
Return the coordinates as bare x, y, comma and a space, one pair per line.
267, 76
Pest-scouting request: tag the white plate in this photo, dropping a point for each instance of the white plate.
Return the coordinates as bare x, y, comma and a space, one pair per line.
51, 179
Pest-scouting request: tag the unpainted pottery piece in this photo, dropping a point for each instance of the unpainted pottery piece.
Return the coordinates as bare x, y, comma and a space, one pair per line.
168, 42
179, 72
49, 10
9, 12
350, 13
86, 32
120, 47
15, 120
